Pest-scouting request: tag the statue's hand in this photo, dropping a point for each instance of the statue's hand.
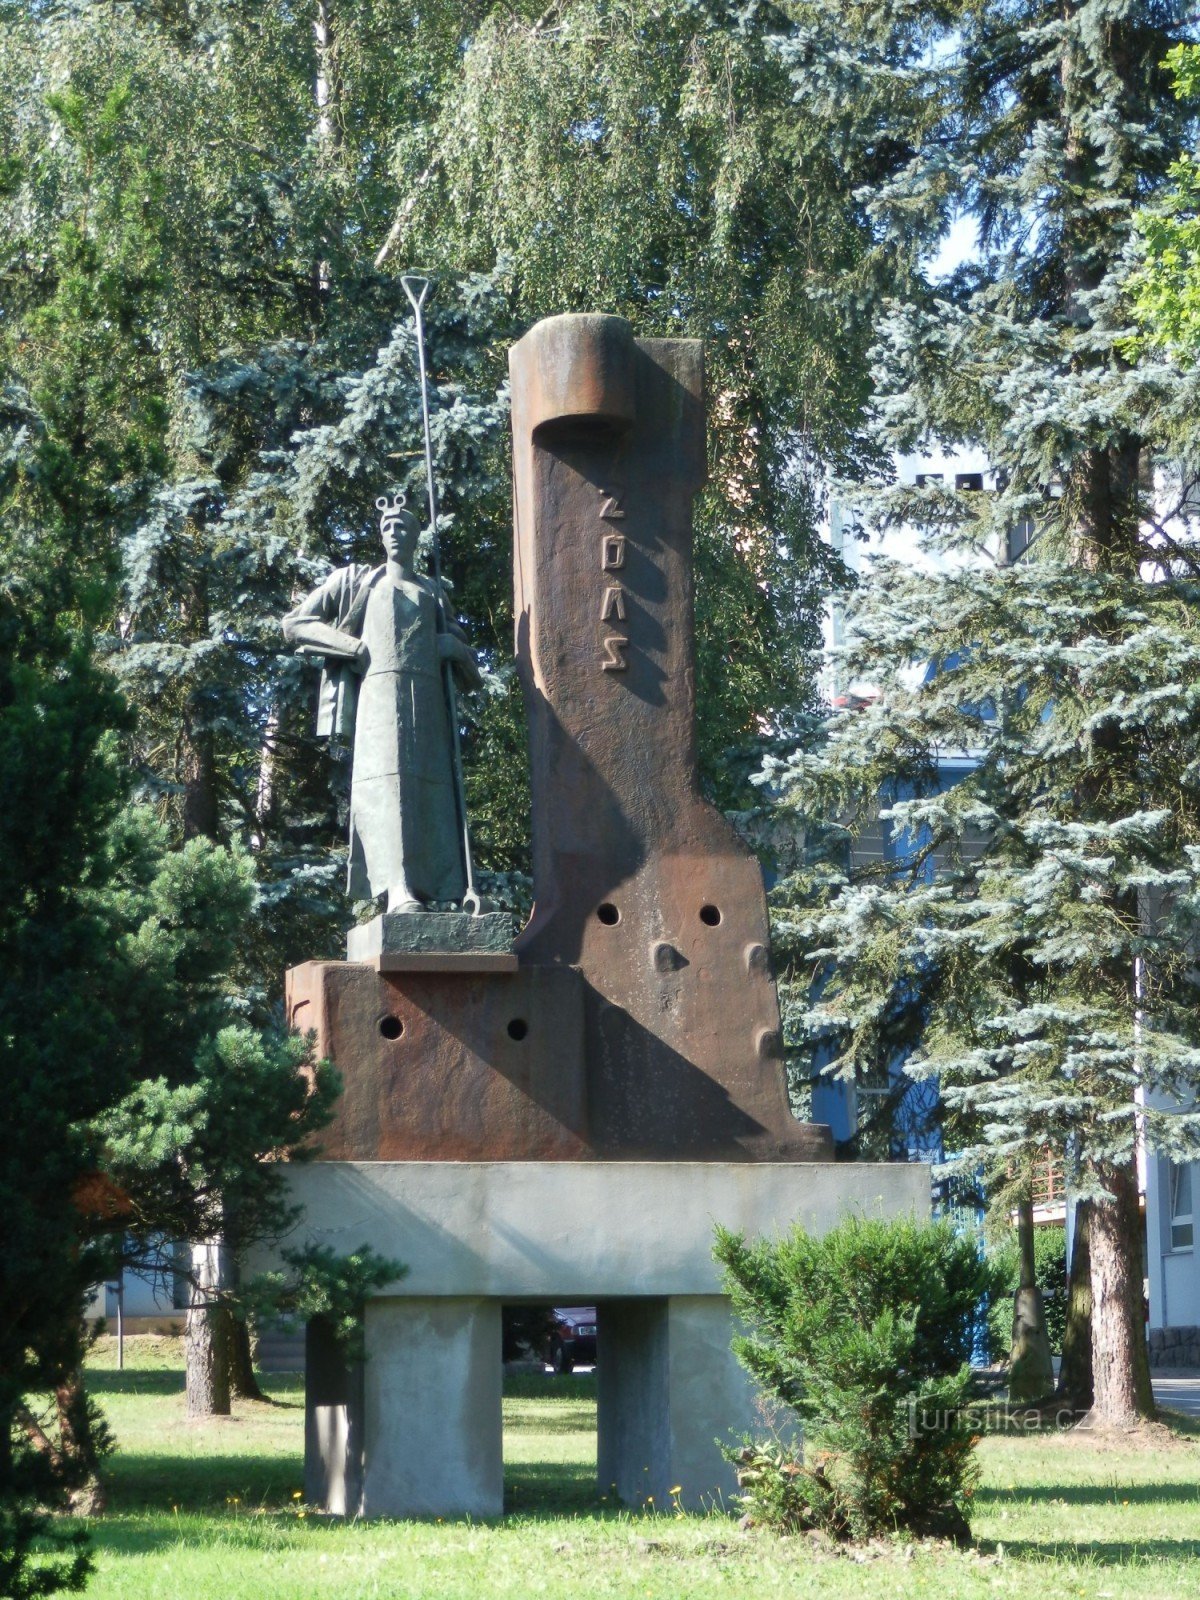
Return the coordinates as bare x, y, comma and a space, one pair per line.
452, 648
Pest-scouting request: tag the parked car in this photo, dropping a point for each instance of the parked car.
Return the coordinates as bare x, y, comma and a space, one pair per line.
572, 1339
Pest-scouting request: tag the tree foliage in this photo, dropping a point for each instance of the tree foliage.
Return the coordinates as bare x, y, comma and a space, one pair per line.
1166, 289
647, 160
1036, 951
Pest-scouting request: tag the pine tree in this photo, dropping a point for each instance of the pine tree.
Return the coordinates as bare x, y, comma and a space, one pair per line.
62, 1054
1042, 970
189, 308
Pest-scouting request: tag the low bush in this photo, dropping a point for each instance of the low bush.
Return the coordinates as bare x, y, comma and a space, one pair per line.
865, 1335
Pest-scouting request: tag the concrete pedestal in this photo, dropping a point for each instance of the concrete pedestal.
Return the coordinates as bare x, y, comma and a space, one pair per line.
426, 1397
670, 1391
415, 1430
431, 1409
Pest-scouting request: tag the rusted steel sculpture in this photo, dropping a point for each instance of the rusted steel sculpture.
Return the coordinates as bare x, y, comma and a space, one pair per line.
641, 1020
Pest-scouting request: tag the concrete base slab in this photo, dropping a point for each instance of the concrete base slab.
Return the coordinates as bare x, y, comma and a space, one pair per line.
575, 1232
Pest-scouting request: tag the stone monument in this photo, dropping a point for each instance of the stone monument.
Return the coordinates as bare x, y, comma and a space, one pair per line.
565, 1121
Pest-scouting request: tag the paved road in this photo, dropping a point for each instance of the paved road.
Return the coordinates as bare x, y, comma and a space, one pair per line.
1178, 1394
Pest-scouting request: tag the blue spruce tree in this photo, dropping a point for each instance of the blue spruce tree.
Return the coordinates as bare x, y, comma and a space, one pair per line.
1045, 970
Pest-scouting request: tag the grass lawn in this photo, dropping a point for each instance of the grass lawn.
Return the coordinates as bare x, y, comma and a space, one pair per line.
208, 1512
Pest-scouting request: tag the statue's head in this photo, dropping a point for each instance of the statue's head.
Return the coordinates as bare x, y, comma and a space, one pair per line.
399, 529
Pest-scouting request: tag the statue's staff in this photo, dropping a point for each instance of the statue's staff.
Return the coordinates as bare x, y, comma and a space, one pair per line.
417, 289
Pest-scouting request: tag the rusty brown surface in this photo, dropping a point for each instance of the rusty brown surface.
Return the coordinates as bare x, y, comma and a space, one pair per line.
431, 1068
681, 1016
652, 1019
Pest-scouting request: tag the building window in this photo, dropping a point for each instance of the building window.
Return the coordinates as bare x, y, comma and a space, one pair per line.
1179, 1188
1020, 537
927, 477
972, 482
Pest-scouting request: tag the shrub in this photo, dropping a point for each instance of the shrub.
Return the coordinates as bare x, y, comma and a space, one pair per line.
1050, 1270
865, 1335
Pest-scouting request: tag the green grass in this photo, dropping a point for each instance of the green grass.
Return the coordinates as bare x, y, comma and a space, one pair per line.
206, 1512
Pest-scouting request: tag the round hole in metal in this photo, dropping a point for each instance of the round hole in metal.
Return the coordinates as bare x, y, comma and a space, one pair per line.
391, 1027
518, 1028
709, 916
608, 914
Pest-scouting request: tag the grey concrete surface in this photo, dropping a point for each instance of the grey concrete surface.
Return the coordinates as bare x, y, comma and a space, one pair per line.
669, 1388
415, 1429
1179, 1393
574, 1232
432, 1421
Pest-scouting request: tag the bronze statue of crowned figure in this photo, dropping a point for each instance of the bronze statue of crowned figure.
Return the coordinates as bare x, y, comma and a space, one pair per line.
386, 638
392, 656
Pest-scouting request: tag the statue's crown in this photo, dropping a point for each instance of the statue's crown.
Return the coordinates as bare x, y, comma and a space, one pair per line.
391, 511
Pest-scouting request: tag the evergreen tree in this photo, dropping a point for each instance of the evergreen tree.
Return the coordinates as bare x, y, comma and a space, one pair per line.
61, 1049
1043, 969
631, 157
188, 305
142, 1105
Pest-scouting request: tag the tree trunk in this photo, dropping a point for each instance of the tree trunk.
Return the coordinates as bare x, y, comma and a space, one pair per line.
326, 93
1031, 1369
1075, 1374
242, 1380
206, 1336
201, 810
264, 798
73, 1458
1120, 1364
77, 1442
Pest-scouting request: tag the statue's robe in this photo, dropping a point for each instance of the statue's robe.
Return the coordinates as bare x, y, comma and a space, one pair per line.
404, 818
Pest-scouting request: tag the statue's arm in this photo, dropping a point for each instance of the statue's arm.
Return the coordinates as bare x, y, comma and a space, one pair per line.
452, 643
453, 647
308, 628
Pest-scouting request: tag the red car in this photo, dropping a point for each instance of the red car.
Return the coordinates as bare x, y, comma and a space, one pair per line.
572, 1339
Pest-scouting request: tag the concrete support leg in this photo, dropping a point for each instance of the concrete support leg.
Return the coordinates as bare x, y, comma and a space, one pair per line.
414, 1430
668, 1388
431, 1409
333, 1419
